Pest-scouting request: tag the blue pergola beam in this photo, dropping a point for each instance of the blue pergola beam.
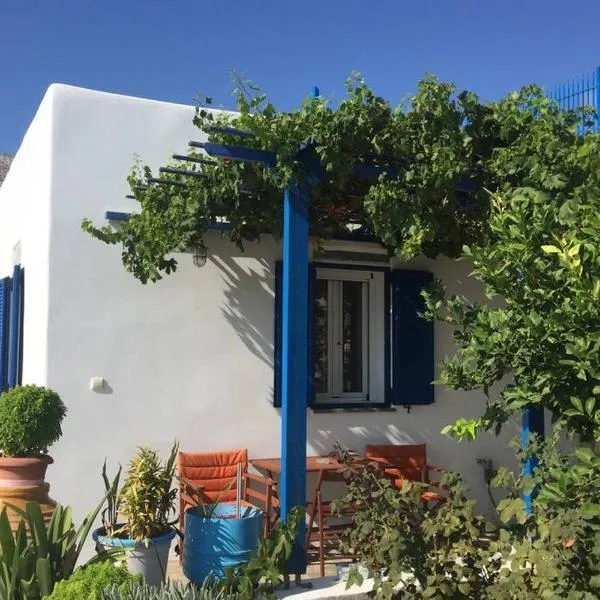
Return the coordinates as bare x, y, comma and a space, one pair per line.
237, 153
183, 172
194, 159
162, 181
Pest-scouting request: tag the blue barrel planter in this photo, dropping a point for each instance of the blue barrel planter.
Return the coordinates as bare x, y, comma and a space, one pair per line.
211, 544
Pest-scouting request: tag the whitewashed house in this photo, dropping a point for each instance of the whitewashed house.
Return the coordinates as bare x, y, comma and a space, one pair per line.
192, 357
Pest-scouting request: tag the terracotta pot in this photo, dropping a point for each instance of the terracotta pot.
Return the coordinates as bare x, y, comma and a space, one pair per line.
22, 480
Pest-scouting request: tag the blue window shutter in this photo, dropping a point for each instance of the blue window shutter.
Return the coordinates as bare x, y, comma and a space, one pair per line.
312, 333
412, 340
277, 331
4, 329
15, 341
21, 284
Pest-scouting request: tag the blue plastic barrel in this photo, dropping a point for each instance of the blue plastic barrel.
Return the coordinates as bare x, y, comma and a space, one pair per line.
211, 544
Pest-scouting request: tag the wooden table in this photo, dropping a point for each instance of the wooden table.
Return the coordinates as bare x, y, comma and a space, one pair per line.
314, 464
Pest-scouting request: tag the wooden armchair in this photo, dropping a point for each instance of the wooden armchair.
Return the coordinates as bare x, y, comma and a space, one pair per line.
408, 462
211, 476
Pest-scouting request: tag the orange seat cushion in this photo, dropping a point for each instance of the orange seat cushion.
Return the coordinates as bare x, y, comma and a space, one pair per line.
213, 471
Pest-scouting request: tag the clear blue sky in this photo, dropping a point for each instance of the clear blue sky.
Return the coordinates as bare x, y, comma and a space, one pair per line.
171, 50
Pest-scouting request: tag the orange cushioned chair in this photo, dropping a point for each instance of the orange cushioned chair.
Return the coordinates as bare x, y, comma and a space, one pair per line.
408, 462
211, 476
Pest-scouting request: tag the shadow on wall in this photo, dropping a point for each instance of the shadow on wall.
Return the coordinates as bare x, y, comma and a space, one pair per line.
248, 294
247, 307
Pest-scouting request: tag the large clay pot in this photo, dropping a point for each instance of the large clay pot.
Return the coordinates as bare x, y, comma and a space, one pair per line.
22, 480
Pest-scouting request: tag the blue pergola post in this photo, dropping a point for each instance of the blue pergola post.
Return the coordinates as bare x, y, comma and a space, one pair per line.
532, 423
294, 372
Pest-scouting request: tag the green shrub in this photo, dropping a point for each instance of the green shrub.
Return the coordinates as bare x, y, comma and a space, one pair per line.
169, 591
86, 583
30, 420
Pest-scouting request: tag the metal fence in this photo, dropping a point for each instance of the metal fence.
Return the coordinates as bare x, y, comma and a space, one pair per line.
579, 92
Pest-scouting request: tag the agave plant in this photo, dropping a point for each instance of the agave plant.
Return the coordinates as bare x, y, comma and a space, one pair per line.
110, 515
169, 591
38, 555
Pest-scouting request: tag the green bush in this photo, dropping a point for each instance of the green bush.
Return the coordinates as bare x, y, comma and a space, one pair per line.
169, 591
86, 583
30, 420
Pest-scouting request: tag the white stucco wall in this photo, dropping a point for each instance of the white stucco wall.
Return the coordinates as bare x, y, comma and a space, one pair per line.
25, 232
191, 356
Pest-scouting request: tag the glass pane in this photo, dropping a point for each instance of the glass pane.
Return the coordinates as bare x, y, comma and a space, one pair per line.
352, 342
321, 334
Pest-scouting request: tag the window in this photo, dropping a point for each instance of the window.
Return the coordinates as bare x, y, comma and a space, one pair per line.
367, 343
349, 341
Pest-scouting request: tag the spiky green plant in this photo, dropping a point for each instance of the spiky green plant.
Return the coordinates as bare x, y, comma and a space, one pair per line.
40, 554
147, 499
169, 591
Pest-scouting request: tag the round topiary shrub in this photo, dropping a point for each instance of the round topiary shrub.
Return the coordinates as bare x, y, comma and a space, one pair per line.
30, 420
88, 582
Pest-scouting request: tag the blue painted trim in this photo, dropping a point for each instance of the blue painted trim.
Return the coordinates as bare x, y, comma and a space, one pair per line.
15, 321
237, 153
532, 423
294, 372
113, 215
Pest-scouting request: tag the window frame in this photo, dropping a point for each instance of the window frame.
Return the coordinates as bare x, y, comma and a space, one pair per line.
363, 272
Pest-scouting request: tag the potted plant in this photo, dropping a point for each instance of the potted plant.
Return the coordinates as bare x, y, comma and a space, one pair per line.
146, 505
30, 422
218, 535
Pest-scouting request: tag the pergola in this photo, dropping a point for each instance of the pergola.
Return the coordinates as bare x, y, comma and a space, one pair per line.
295, 326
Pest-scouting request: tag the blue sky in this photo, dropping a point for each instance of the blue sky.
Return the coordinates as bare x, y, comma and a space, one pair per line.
173, 50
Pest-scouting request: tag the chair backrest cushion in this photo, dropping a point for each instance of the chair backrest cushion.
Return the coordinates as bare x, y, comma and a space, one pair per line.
404, 461
213, 471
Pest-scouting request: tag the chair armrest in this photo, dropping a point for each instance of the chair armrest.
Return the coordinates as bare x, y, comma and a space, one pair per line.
260, 479
188, 484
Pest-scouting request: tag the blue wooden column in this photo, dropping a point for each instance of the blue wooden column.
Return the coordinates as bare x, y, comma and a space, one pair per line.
532, 423
294, 372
